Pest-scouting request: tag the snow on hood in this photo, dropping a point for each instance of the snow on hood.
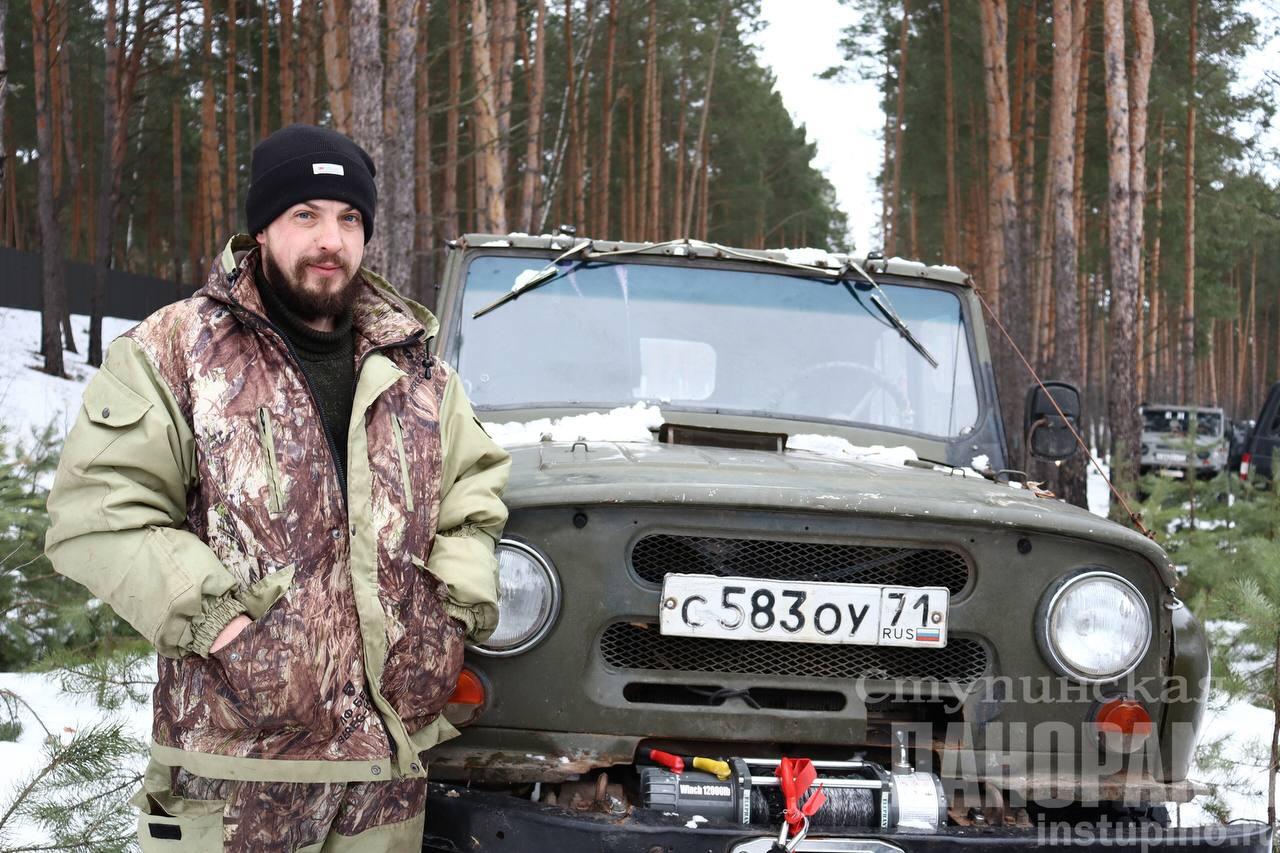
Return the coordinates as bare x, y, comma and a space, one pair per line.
626, 424
830, 445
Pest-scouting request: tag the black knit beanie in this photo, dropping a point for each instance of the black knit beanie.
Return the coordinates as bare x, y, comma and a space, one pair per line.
303, 162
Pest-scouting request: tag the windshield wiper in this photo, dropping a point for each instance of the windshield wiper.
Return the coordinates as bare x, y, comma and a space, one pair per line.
546, 275
551, 272
880, 299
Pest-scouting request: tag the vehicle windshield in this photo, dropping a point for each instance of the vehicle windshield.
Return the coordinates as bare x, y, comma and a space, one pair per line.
699, 338
1174, 422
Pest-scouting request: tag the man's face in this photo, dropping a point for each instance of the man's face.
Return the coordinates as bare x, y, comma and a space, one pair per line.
311, 254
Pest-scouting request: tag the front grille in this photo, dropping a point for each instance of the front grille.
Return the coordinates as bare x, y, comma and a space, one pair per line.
653, 557
626, 645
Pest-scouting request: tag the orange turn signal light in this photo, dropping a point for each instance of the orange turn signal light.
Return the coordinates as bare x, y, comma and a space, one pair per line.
1123, 717
469, 690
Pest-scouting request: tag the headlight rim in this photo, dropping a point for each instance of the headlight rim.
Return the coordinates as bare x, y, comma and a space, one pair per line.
1051, 598
553, 612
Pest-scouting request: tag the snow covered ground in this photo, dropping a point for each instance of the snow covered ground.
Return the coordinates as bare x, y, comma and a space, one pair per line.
29, 399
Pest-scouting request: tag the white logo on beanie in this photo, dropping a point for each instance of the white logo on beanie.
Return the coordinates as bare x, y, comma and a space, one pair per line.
327, 169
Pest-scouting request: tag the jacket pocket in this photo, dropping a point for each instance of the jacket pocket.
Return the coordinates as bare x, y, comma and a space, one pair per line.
422, 667
266, 434
167, 822
406, 483
112, 408
268, 668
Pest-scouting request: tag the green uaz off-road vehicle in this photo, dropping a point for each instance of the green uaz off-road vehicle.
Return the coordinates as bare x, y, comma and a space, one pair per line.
749, 523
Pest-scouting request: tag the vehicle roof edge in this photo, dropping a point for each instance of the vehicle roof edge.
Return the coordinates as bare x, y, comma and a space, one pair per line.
871, 262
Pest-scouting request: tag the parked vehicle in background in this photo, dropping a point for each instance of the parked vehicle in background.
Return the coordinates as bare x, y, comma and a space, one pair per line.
1238, 432
1263, 444
748, 524
1169, 448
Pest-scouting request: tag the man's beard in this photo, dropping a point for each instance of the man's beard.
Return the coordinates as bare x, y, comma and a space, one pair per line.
308, 303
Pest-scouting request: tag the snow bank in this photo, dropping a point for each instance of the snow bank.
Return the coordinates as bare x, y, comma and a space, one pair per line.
31, 400
627, 424
830, 445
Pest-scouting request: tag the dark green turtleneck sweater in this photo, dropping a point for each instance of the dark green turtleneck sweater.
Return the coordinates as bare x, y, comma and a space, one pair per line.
327, 359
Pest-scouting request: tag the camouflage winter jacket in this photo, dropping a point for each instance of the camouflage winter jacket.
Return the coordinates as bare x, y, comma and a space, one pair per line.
198, 483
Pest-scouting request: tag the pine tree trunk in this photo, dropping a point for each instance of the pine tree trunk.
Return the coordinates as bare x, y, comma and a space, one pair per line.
452, 224
536, 79
53, 290
285, 37
1070, 485
490, 211
1122, 396
1027, 160
1251, 337
1189, 234
603, 194
212, 192
502, 54
1140, 63
337, 66
423, 248
307, 74
654, 225
229, 110
1008, 289
682, 105
365, 26
179, 215
699, 161
1081, 38
264, 95
895, 203
950, 233
1155, 342
394, 227
113, 144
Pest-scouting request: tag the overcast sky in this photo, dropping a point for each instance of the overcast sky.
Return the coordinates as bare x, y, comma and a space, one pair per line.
845, 117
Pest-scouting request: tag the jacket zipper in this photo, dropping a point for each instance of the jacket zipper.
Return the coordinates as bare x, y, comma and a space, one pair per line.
315, 400
405, 482
267, 435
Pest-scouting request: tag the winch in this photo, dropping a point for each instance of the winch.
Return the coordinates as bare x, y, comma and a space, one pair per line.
745, 791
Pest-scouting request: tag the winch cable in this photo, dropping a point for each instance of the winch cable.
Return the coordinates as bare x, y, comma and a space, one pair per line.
1134, 517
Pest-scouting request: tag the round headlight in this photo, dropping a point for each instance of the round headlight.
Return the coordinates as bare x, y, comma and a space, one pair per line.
1097, 626
528, 600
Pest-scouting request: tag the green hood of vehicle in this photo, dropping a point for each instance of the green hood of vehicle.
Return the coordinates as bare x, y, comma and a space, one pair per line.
568, 474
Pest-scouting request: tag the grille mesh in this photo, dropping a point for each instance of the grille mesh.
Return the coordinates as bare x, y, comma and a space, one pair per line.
626, 645
653, 557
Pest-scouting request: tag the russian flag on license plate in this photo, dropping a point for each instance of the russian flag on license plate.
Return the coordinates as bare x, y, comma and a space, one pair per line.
928, 635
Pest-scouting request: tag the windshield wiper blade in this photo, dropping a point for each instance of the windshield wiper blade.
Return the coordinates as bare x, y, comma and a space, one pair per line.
880, 299
546, 275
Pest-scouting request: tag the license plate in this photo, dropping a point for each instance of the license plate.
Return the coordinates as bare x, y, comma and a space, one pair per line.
1170, 457
803, 612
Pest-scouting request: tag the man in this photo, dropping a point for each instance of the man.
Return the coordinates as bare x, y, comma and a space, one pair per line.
277, 485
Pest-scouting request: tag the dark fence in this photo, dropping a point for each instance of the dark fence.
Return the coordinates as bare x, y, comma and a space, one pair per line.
129, 296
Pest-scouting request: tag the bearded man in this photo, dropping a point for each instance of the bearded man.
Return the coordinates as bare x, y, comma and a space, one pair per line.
281, 489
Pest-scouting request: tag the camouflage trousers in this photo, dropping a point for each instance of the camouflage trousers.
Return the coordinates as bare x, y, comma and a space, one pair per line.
286, 817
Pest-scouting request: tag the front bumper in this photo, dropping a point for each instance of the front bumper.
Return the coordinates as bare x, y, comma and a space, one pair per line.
459, 819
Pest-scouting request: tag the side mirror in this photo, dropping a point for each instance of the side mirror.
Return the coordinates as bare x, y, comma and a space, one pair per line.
1048, 436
